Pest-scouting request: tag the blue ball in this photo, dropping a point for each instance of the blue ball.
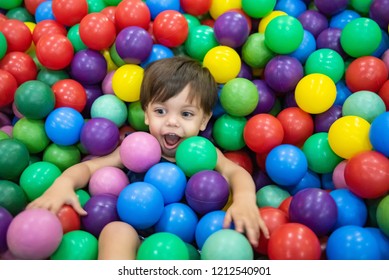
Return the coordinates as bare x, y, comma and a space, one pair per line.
169, 179
379, 133
63, 126
342, 92
307, 46
140, 204
341, 19
179, 219
208, 224
310, 180
158, 6
44, 11
352, 243
291, 7
157, 52
382, 240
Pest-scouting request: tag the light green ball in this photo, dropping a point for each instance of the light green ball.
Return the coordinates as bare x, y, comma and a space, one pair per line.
109, 106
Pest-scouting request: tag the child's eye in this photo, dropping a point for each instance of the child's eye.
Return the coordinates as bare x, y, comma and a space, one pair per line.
159, 111
187, 114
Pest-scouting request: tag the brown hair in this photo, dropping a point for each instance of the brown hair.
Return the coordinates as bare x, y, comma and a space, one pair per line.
165, 78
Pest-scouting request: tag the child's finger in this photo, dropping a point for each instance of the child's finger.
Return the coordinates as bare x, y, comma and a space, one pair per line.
77, 207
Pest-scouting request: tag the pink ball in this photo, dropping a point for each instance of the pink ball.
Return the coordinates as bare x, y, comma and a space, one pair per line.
106, 85
139, 151
108, 180
34, 234
338, 176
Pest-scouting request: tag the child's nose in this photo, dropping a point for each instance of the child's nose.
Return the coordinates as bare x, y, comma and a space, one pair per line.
172, 121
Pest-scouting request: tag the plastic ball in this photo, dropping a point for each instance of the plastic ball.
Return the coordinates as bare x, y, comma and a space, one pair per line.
382, 240
207, 191
163, 246
313, 21
139, 151
382, 215
267, 18
196, 8
170, 28
132, 13
158, 51
50, 77
267, 97
338, 176
378, 11
17, 34
258, 9
47, 27
200, 40
227, 132
69, 93
255, 52
329, 38
284, 29
143, 199
101, 210
88, 67
341, 19
323, 121
69, 218
315, 93
8, 88
271, 196
99, 136
349, 135
367, 41
12, 197
231, 29
136, 116
110, 107
378, 133
108, 180
227, 244
63, 126
14, 158
352, 243
223, 62
5, 221
74, 37
219, 7
20, 65
34, 234
34, 99
126, 82
69, 13
208, 224
76, 245
31, 133
169, 179
332, 8
196, 154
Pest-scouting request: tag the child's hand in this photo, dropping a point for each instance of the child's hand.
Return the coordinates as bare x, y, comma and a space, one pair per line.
246, 219
55, 197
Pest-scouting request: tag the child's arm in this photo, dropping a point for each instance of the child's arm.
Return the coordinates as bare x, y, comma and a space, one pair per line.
62, 191
243, 210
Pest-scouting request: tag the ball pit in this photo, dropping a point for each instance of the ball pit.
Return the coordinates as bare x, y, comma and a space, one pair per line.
310, 117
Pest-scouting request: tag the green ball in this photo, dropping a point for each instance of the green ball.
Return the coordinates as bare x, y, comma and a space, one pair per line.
271, 195
284, 34
227, 244
255, 53
10, 4
227, 132
136, 116
3, 45
50, 77
193, 252
14, 158
365, 104
327, 62
62, 156
12, 197
195, 154
372, 205
163, 246
239, 97
74, 38
3, 135
32, 133
277, 108
76, 245
110, 107
360, 37
383, 215
21, 14
37, 178
115, 56
83, 196
34, 99
200, 40
258, 8
95, 6
321, 159
192, 21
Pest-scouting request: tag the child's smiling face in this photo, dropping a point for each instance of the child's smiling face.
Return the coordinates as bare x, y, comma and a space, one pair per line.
174, 120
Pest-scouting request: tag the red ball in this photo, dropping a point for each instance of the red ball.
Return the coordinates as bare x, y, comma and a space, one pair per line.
284, 206
69, 219
54, 51
69, 93
196, 8
46, 27
69, 12
110, 13
132, 13
241, 158
20, 65
384, 94
262, 133
17, 34
8, 86
298, 125
97, 32
367, 174
31, 5
273, 218
294, 241
170, 28
366, 73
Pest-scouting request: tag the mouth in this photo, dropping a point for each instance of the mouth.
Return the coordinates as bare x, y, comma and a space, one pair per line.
171, 141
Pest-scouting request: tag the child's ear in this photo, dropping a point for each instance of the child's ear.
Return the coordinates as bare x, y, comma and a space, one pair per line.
146, 119
205, 121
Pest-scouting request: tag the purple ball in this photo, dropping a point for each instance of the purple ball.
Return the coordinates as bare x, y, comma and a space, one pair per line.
88, 67
100, 136
231, 29
314, 208
4, 120
267, 97
245, 72
329, 38
133, 44
207, 191
313, 21
289, 100
5, 220
261, 179
379, 12
324, 120
282, 73
332, 7
101, 210
92, 93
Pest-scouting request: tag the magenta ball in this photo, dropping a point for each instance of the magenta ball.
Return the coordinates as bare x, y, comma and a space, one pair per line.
88, 67
34, 234
106, 85
207, 191
100, 136
139, 151
231, 29
338, 176
5, 221
101, 210
108, 180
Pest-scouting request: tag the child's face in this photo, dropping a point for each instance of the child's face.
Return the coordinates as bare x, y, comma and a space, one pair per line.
175, 120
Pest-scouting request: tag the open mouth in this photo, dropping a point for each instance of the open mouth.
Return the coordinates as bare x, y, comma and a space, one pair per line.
171, 140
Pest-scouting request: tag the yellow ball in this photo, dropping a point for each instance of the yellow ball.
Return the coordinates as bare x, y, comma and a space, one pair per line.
349, 135
110, 64
315, 93
265, 20
126, 82
223, 62
219, 7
